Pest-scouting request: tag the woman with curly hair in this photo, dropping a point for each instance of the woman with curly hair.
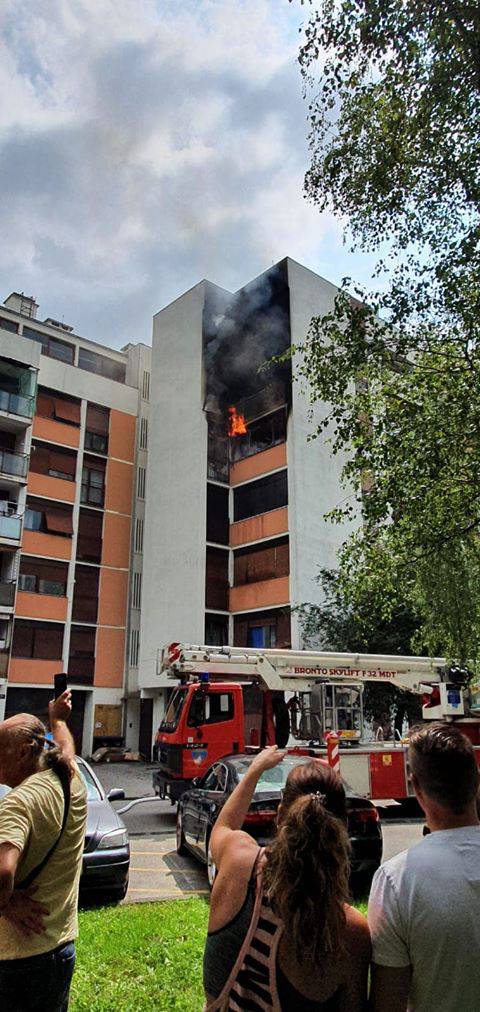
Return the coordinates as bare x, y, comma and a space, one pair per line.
282, 936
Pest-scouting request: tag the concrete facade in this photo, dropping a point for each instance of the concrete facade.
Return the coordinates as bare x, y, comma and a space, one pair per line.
274, 548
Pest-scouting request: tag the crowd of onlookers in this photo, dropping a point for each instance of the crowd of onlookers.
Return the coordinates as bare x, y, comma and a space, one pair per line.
282, 933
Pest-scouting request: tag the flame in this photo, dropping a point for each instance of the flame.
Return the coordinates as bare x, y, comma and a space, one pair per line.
237, 425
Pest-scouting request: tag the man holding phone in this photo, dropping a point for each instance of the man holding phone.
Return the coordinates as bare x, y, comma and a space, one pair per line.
42, 833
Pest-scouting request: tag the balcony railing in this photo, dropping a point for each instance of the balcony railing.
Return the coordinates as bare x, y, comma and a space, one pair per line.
7, 593
17, 404
10, 521
13, 463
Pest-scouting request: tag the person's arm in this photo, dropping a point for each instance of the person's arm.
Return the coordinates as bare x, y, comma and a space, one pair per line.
59, 711
227, 832
9, 857
389, 988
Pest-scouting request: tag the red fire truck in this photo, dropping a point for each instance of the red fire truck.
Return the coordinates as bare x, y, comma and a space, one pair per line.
229, 698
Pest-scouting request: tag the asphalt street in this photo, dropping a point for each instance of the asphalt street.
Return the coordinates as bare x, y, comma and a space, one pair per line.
156, 870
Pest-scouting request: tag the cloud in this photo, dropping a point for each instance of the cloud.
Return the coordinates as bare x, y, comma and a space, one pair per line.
145, 145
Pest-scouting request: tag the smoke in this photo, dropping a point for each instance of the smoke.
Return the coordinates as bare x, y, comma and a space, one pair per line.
242, 333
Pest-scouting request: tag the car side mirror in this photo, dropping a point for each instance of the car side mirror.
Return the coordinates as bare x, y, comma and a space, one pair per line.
196, 781
116, 794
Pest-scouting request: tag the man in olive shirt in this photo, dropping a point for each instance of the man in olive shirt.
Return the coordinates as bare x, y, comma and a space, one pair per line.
38, 925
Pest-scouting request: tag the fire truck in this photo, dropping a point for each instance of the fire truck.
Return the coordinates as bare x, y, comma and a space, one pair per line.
232, 698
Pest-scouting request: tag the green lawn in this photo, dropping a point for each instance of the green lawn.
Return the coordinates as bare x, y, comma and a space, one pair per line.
145, 957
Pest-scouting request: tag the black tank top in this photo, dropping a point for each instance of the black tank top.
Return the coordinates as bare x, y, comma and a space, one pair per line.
221, 951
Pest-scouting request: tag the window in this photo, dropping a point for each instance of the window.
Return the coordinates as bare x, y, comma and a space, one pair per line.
143, 433
146, 385
141, 474
134, 647
60, 409
137, 590
42, 640
139, 535
93, 482
216, 779
101, 365
217, 514
51, 346
48, 519
261, 496
262, 635
212, 708
89, 539
81, 661
97, 426
85, 595
216, 583
45, 459
262, 562
10, 325
263, 629
216, 630
43, 577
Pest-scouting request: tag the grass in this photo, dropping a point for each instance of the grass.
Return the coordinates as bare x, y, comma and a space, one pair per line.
140, 957
143, 956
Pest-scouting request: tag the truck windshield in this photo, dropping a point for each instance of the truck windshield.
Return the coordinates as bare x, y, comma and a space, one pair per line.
173, 711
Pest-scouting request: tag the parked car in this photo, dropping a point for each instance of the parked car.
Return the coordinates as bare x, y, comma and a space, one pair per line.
106, 857
198, 809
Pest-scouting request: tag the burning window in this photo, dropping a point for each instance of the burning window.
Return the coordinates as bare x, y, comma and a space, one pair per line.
237, 425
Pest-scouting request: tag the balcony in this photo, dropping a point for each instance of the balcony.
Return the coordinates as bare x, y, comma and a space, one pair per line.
14, 464
7, 593
17, 404
10, 521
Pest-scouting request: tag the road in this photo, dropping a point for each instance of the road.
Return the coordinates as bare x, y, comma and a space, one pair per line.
156, 871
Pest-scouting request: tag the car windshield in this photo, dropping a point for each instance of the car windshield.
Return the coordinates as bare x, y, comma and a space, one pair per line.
93, 793
271, 780
173, 711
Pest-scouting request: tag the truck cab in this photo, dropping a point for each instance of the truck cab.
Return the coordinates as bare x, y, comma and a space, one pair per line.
202, 723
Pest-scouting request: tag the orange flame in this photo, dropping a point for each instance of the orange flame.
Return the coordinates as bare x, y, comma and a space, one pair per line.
237, 425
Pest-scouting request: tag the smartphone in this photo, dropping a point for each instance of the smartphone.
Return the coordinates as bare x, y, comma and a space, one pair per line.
60, 682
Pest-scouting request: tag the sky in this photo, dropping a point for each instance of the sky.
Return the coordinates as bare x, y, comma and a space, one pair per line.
147, 144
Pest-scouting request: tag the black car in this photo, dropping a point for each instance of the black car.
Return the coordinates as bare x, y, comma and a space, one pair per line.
199, 807
106, 858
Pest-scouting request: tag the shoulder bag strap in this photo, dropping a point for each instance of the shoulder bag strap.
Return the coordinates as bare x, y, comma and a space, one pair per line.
35, 872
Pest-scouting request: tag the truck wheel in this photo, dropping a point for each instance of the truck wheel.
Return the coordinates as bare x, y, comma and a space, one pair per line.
281, 719
181, 845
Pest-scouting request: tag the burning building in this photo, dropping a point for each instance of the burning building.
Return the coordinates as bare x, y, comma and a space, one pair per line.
236, 493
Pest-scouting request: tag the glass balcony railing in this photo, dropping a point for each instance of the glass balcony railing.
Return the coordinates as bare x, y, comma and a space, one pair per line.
17, 404
12, 463
10, 521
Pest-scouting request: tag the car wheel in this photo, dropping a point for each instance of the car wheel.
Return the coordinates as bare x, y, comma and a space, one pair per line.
211, 866
181, 845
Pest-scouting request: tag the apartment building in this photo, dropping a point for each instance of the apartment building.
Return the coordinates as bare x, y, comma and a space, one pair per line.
234, 527
73, 448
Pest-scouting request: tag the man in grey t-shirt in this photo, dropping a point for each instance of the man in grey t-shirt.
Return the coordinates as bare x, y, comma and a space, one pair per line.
424, 907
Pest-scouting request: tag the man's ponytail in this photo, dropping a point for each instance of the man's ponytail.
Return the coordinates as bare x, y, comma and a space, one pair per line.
307, 872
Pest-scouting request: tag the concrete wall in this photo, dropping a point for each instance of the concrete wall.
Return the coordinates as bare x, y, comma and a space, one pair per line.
173, 599
314, 485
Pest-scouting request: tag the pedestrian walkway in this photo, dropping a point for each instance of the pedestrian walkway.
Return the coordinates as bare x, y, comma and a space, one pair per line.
157, 872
